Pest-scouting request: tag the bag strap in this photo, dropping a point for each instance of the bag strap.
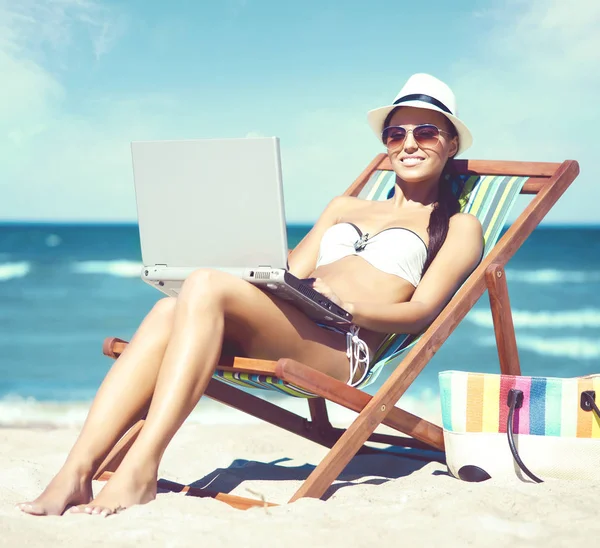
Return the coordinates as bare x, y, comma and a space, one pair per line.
515, 401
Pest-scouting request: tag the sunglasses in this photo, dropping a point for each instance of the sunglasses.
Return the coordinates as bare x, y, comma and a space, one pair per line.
426, 135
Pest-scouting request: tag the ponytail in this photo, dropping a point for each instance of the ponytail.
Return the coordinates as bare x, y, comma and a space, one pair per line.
446, 206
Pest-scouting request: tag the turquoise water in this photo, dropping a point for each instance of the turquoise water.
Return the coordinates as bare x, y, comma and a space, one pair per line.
64, 288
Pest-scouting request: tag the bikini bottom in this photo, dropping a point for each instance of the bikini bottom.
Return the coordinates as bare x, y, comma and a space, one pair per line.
356, 350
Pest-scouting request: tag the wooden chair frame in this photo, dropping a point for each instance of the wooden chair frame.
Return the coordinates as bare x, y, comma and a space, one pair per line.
547, 181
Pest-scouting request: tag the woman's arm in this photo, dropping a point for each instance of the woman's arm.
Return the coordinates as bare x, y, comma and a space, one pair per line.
302, 261
457, 258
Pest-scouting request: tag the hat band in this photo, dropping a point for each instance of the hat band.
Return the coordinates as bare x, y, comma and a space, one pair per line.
425, 99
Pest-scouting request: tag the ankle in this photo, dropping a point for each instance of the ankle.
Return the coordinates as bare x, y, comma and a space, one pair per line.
145, 473
141, 465
83, 473
141, 473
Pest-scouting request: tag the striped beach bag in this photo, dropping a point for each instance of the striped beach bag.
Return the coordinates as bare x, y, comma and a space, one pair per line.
532, 428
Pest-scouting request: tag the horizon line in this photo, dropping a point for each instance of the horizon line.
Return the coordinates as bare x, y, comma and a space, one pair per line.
108, 223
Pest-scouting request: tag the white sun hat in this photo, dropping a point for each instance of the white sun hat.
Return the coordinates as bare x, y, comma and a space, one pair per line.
424, 91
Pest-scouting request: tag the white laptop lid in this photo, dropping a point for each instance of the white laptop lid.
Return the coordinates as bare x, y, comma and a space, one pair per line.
210, 203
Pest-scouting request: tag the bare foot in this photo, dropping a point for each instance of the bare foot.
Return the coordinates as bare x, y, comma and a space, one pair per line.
65, 489
123, 490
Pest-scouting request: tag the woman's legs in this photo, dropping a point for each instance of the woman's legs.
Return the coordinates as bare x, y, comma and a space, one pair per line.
122, 398
212, 306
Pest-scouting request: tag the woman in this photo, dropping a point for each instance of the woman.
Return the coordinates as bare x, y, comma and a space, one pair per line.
393, 265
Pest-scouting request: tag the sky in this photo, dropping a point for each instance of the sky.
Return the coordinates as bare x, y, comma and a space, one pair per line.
81, 79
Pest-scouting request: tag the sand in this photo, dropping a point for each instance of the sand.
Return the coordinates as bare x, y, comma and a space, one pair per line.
379, 499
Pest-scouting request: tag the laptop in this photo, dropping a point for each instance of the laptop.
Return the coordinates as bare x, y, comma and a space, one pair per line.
218, 203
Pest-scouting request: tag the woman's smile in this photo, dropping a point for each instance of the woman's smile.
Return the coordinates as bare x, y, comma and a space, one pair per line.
412, 160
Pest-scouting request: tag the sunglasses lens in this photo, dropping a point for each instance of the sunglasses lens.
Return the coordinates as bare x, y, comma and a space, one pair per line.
393, 135
426, 135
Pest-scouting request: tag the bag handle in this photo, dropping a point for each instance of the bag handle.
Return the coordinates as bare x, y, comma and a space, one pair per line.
515, 401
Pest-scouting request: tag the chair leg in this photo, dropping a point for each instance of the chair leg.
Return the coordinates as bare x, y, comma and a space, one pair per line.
352, 398
504, 329
318, 411
319, 416
317, 430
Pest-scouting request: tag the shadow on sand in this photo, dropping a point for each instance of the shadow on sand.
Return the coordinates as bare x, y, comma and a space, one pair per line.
374, 469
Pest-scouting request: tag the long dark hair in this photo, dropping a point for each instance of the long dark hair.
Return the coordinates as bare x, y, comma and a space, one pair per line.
447, 205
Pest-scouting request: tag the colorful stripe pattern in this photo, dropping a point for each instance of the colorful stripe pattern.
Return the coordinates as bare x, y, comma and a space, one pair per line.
476, 402
489, 198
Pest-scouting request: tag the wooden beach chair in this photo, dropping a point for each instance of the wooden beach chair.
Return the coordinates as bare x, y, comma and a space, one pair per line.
487, 189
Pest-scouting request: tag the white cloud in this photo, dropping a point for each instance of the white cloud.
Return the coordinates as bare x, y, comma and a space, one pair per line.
44, 149
27, 26
78, 166
529, 86
33, 34
27, 96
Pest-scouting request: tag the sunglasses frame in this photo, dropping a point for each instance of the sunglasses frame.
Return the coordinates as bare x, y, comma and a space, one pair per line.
412, 131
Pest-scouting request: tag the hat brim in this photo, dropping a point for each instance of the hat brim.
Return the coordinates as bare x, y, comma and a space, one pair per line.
376, 118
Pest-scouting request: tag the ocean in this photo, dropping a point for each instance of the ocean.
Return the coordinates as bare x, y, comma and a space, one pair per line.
64, 288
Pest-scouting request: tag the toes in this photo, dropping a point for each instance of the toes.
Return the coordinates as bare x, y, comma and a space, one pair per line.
95, 510
105, 512
29, 508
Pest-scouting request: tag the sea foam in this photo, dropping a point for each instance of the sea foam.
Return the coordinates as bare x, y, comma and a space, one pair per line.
560, 347
17, 411
119, 268
585, 317
552, 276
14, 270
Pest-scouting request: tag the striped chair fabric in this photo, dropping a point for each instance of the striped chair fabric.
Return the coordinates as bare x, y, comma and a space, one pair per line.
489, 198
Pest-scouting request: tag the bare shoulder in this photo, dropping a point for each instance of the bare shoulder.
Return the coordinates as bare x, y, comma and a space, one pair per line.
464, 242
342, 205
464, 226
344, 202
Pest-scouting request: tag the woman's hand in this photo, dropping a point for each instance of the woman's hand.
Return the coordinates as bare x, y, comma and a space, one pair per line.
319, 285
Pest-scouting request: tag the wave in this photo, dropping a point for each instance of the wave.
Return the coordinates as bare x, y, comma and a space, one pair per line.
14, 270
552, 276
565, 347
119, 268
17, 411
585, 317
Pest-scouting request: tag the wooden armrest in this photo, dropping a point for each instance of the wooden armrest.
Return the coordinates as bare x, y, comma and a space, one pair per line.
113, 347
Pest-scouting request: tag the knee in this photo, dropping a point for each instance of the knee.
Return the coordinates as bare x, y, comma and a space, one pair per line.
164, 309
203, 286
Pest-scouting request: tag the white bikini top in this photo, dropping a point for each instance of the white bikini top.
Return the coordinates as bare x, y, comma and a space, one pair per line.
395, 250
